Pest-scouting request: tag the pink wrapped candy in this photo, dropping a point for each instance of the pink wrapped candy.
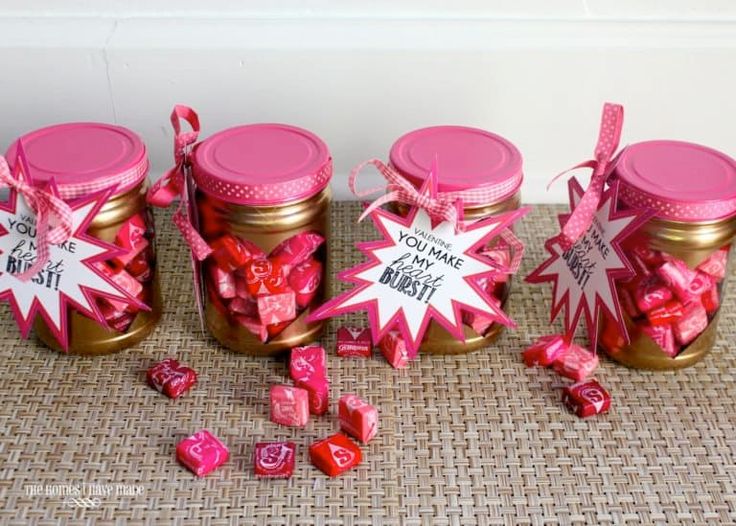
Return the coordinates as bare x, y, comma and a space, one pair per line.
394, 350
693, 322
224, 282
304, 279
358, 418
275, 308
132, 238
663, 336
306, 362
253, 325
715, 265
126, 282
297, 249
650, 293
289, 406
264, 276
545, 350
478, 322
678, 277
318, 388
576, 363
354, 342
711, 300
202, 453
230, 253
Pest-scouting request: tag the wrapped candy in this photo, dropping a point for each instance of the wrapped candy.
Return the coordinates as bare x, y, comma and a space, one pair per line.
545, 350
394, 349
276, 308
254, 325
141, 266
650, 293
576, 363
358, 418
297, 249
118, 320
666, 314
224, 282
354, 342
132, 238
318, 388
289, 406
663, 336
586, 398
715, 264
171, 378
126, 282
274, 460
678, 277
478, 322
693, 322
335, 455
306, 362
202, 453
628, 303
304, 280
229, 253
246, 307
264, 276
711, 300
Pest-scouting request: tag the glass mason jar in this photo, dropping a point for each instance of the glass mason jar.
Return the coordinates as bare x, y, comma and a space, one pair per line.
262, 204
468, 159
81, 156
681, 255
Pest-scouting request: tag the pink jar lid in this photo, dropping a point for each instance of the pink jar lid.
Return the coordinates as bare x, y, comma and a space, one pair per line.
262, 164
468, 159
679, 180
84, 157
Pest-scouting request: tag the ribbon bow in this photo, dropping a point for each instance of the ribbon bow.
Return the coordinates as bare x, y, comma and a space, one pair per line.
173, 183
439, 206
608, 138
45, 205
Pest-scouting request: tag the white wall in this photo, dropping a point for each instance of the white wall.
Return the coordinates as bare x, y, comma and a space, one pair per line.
361, 73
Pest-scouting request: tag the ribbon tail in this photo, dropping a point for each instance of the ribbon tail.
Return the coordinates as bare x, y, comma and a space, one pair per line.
196, 242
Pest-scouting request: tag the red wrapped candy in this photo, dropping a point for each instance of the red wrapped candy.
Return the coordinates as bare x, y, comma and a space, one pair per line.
394, 350
118, 320
132, 238
230, 253
663, 336
650, 293
304, 279
126, 282
140, 266
576, 363
358, 418
306, 362
692, 323
224, 282
354, 342
715, 265
478, 322
678, 276
276, 308
297, 249
666, 314
628, 303
318, 388
335, 455
202, 453
264, 276
711, 300
586, 398
289, 406
171, 378
246, 307
274, 460
545, 350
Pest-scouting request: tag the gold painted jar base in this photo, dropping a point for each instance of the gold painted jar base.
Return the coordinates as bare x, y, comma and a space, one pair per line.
241, 340
89, 338
439, 341
643, 353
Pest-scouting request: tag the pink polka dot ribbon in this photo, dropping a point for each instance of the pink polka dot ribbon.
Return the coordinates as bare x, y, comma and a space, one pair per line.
608, 138
47, 206
173, 183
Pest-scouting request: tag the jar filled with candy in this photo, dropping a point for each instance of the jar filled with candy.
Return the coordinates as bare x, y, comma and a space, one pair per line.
681, 255
262, 205
484, 171
84, 159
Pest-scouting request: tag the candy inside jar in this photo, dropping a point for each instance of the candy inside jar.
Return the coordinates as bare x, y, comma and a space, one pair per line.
680, 256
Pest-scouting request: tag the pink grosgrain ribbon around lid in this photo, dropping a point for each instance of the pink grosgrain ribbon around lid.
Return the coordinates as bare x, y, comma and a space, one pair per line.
399, 189
172, 184
608, 138
46, 205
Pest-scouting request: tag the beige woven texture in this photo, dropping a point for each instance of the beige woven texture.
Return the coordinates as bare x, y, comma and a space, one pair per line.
474, 439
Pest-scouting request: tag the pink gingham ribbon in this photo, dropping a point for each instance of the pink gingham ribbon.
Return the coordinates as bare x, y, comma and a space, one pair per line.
173, 183
608, 138
46, 206
441, 206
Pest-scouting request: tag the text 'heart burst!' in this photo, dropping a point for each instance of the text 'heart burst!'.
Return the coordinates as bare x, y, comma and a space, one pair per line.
69, 278
422, 270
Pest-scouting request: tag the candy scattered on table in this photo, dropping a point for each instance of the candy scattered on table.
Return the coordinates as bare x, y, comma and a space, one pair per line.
307, 361
202, 453
289, 406
394, 349
171, 378
586, 398
274, 460
335, 455
318, 388
545, 350
358, 418
576, 363
354, 342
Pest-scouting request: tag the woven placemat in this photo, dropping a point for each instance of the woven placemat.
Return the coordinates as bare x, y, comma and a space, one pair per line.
475, 439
